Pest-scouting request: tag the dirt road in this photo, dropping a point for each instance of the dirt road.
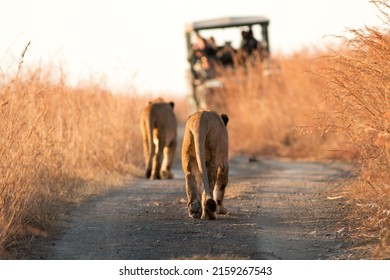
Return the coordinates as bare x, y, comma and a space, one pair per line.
278, 210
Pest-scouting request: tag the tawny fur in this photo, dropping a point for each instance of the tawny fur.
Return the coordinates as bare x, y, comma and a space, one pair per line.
159, 133
205, 162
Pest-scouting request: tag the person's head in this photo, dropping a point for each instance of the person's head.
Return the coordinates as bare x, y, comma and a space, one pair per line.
244, 34
200, 41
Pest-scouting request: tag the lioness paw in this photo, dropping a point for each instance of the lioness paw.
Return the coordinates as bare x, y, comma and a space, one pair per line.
195, 210
155, 177
209, 211
211, 206
148, 173
166, 174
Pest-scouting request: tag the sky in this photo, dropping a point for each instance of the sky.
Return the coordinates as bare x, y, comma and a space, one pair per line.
132, 46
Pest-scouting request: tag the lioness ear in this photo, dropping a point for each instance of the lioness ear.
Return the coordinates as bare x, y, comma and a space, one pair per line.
172, 104
225, 118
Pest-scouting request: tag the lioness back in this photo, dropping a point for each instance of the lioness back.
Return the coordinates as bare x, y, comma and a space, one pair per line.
205, 156
159, 133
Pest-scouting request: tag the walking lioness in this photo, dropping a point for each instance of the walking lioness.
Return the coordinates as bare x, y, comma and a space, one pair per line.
159, 133
205, 161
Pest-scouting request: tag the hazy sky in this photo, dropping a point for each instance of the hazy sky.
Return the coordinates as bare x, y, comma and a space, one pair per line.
127, 44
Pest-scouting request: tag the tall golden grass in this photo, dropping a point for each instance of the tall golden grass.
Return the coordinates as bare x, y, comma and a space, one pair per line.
56, 142
273, 110
359, 92
318, 105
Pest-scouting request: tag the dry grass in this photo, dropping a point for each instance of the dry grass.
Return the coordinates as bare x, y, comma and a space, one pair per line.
323, 106
57, 144
359, 80
273, 111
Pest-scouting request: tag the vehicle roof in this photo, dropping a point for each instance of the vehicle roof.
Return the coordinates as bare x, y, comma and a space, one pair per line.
225, 22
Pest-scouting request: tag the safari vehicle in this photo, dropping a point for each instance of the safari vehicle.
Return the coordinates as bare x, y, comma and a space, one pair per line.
203, 61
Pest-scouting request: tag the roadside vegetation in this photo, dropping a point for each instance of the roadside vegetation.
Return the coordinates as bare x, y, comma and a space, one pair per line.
60, 144
332, 105
359, 91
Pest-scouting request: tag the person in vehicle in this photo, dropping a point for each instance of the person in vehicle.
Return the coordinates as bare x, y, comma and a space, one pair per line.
211, 48
226, 55
248, 42
197, 57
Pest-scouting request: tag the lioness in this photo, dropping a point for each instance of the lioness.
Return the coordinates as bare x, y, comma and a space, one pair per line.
205, 160
159, 132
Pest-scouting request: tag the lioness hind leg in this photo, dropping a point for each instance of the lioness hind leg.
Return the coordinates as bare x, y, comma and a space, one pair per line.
148, 173
146, 147
149, 162
171, 156
208, 206
158, 158
169, 153
165, 170
193, 198
219, 191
